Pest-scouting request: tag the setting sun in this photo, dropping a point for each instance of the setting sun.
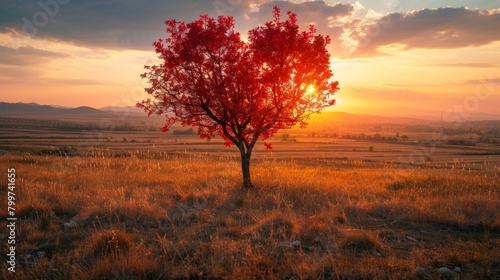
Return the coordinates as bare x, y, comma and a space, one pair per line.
310, 89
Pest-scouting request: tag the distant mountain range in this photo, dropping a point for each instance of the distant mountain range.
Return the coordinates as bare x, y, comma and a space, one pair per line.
34, 110
126, 109
29, 110
37, 110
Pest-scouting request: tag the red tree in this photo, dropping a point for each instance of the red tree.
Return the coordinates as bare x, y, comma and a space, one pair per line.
243, 91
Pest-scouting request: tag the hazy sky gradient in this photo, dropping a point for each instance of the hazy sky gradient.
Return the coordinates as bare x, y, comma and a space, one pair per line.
427, 55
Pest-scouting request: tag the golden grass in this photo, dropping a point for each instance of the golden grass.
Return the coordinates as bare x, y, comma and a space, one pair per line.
109, 242
362, 240
186, 217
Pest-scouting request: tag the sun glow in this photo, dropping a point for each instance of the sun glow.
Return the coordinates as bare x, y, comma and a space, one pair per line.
310, 89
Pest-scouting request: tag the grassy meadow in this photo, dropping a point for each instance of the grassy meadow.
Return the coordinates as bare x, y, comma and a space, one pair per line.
145, 215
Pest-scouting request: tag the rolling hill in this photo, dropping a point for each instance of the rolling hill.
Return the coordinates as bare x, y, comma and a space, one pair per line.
37, 110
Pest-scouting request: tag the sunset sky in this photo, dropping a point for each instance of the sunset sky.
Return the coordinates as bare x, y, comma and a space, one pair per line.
390, 57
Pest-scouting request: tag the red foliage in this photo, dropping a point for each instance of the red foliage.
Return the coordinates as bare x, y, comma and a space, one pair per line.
212, 79
243, 91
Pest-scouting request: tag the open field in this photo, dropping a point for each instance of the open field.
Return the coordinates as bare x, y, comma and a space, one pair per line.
120, 200
423, 146
149, 215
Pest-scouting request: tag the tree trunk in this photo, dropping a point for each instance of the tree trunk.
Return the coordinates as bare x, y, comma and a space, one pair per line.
245, 167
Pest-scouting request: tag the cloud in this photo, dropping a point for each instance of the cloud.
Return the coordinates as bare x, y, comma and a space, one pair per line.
441, 28
19, 74
109, 24
360, 32
328, 19
384, 94
131, 24
77, 82
465, 65
487, 81
26, 55
409, 85
317, 12
27, 75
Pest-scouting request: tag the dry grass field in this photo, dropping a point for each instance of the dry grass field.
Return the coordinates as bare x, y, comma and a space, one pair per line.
158, 215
